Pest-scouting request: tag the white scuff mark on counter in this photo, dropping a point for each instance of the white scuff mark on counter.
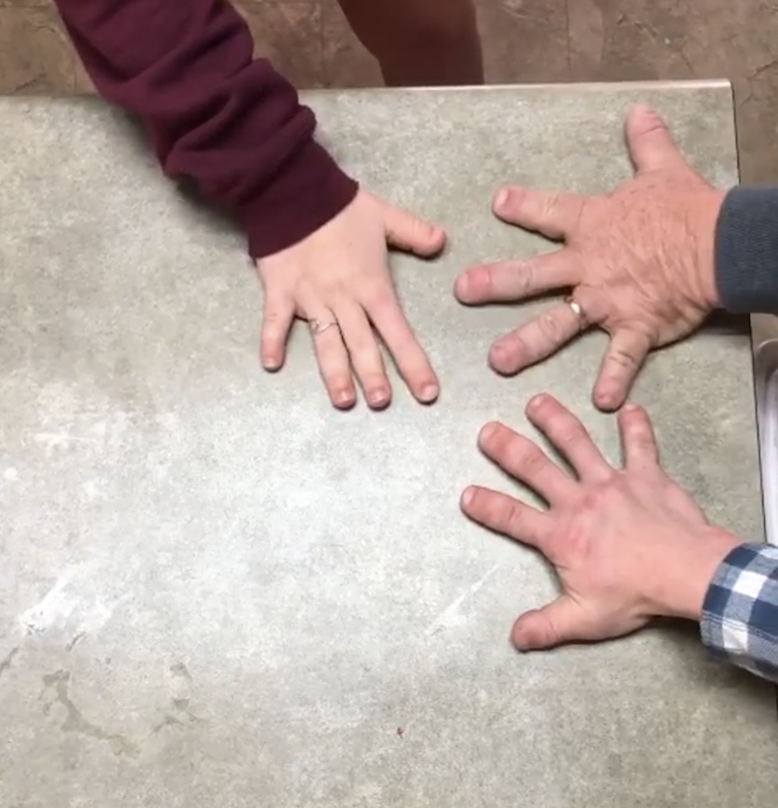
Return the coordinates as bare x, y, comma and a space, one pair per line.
90, 489
56, 606
67, 432
451, 616
52, 441
10, 475
66, 611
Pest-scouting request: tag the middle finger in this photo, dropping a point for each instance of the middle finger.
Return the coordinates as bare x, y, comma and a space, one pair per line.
518, 280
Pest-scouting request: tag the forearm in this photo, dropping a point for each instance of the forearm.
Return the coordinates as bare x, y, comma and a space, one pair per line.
746, 250
739, 622
216, 115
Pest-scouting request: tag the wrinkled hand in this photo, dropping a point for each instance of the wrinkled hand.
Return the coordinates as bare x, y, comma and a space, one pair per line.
339, 280
639, 261
627, 544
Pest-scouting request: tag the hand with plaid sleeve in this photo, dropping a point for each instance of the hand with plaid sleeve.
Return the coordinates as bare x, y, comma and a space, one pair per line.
628, 544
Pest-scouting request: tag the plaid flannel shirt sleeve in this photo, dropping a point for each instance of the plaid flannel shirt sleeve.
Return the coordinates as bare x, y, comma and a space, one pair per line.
740, 614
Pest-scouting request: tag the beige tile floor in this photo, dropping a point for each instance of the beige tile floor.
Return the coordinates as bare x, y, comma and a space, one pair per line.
524, 40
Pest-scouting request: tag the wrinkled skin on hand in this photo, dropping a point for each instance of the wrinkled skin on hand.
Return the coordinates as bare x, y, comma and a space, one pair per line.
639, 262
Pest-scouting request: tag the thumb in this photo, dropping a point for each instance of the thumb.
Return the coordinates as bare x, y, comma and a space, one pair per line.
557, 623
651, 146
407, 232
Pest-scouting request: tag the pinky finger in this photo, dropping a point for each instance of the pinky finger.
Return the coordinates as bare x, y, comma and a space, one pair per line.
623, 359
277, 319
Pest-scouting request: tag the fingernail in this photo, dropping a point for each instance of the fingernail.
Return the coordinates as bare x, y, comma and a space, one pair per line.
345, 397
501, 199
537, 401
519, 640
271, 363
467, 496
462, 284
429, 392
378, 398
605, 401
630, 407
498, 353
488, 431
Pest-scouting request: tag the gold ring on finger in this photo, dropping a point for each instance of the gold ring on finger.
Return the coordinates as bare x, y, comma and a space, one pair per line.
318, 327
583, 320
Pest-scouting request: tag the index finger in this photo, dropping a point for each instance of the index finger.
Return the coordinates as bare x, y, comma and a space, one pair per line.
551, 213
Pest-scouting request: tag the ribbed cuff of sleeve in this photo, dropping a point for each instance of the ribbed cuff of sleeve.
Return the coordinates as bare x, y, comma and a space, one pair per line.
746, 250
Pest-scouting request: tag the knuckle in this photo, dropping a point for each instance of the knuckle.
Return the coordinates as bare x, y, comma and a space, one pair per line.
550, 204
508, 515
623, 359
379, 298
521, 275
487, 279
552, 635
337, 381
528, 456
528, 281
653, 124
548, 325
571, 434
273, 318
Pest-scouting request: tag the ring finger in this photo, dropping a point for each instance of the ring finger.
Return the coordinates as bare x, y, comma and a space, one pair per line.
332, 356
538, 339
365, 354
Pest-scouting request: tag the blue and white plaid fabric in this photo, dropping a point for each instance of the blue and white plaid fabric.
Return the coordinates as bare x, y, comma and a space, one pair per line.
740, 614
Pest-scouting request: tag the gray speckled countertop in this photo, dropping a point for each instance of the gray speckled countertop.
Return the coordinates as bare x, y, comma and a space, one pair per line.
216, 590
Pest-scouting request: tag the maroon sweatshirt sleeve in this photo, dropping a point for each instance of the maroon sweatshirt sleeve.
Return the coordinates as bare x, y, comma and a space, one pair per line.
215, 115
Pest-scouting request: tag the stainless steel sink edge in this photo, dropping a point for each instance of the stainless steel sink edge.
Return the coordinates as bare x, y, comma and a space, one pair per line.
764, 335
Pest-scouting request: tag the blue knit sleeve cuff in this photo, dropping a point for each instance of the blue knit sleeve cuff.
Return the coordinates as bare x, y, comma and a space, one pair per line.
746, 250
